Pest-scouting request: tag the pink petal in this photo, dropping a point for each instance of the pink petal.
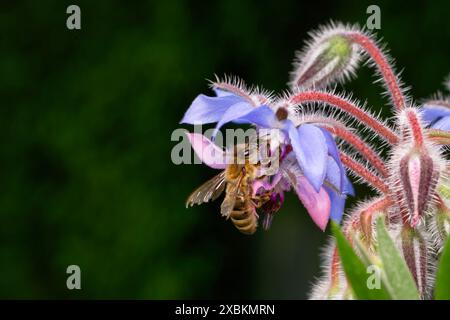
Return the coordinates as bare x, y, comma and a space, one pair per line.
265, 184
207, 151
414, 171
317, 203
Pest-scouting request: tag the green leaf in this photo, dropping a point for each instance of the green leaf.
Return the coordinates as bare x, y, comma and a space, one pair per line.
401, 284
355, 270
442, 290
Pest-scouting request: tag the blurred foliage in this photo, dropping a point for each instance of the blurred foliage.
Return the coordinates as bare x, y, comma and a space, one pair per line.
86, 118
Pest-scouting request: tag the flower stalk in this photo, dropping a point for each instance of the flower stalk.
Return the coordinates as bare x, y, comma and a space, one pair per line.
381, 62
351, 109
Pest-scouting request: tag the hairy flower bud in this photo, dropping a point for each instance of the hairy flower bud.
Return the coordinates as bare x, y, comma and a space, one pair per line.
439, 221
418, 176
416, 254
330, 57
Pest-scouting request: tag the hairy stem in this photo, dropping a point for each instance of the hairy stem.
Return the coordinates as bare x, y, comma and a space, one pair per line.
362, 172
344, 133
350, 108
366, 216
415, 128
364, 149
359, 220
377, 56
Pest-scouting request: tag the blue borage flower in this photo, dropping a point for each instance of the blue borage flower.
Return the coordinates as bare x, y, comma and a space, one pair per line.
309, 142
437, 114
326, 186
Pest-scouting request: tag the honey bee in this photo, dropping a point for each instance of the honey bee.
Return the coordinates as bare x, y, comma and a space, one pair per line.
239, 204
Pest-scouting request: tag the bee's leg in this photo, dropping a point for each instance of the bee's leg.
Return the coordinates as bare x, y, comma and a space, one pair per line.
259, 201
255, 203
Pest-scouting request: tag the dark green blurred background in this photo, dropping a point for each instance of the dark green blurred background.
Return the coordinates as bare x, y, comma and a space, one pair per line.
86, 118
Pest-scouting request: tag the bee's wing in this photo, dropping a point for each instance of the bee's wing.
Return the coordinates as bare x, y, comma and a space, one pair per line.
211, 189
227, 205
230, 199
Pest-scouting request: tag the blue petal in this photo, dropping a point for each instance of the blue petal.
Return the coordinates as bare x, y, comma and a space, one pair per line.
206, 109
432, 113
310, 147
262, 116
337, 204
348, 187
234, 112
334, 153
442, 124
333, 175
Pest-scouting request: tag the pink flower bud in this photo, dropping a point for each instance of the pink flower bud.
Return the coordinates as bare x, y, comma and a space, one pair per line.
418, 177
